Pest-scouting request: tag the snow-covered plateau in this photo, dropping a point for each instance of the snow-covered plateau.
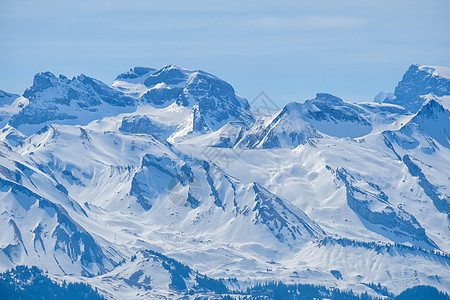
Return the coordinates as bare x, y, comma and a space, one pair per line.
168, 184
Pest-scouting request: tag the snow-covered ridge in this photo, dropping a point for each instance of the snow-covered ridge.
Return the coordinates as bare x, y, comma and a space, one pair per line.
165, 181
81, 100
213, 100
420, 83
436, 71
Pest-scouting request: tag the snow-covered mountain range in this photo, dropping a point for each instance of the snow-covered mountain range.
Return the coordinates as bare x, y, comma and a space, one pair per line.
167, 183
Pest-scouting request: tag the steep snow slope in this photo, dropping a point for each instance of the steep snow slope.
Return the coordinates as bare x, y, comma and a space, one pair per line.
303, 178
325, 192
193, 198
381, 201
315, 178
423, 145
441, 71
93, 165
162, 184
384, 116
11, 135
285, 129
37, 228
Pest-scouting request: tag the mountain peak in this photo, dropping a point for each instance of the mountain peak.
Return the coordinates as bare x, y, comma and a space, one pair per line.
292, 107
216, 101
169, 74
47, 74
325, 97
45, 80
432, 111
212, 101
135, 73
438, 71
41, 81
419, 81
333, 116
171, 66
82, 77
97, 181
68, 101
431, 107
433, 120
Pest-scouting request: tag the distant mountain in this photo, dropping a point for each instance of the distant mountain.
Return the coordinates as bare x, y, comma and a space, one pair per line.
167, 184
7, 98
286, 129
332, 116
211, 102
61, 100
214, 101
419, 81
300, 123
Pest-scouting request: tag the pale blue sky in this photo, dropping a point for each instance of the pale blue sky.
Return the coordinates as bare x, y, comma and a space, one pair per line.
289, 49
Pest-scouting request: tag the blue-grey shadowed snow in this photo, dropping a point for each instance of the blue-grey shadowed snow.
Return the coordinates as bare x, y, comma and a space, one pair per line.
379, 215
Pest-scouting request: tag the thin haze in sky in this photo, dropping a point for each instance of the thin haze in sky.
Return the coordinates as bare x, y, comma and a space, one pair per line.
289, 49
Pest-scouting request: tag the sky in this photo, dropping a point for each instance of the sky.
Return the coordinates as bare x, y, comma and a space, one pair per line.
288, 49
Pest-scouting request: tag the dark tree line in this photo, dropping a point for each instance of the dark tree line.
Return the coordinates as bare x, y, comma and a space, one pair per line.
31, 283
